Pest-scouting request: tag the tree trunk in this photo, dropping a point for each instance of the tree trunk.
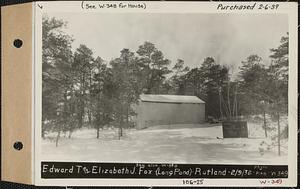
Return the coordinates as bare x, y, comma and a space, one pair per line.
82, 102
70, 134
119, 132
228, 98
234, 110
80, 118
278, 140
120, 126
194, 87
265, 124
43, 133
127, 116
220, 104
90, 116
98, 131
90, 98
57, 138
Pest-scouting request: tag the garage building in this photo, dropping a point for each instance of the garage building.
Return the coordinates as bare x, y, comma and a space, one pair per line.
169, 109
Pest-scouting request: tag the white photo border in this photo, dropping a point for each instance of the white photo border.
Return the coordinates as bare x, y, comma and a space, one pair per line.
165, 7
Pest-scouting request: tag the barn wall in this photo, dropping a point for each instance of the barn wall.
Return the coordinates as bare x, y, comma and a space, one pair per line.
151, 113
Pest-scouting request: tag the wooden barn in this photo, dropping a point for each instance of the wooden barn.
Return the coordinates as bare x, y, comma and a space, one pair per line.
169, 109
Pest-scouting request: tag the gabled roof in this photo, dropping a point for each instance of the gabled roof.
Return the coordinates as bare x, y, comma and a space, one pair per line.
171, 99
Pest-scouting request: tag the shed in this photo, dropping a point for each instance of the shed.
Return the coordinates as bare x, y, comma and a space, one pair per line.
169, 109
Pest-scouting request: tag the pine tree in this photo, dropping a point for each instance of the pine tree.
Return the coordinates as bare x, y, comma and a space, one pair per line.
254, 98
83, 66
179, 77
101, 95
205, 83
56, 76
278, 84
154, 67
126, 88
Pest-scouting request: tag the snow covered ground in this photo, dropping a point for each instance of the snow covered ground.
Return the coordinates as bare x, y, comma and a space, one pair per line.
201, 144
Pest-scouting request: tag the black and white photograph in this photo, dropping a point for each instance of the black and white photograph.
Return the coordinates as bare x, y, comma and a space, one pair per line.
194, 88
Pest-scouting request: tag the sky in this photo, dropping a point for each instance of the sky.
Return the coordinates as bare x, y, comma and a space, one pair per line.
228, 38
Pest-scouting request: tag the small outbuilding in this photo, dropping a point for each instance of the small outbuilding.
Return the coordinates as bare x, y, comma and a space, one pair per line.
169, 109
